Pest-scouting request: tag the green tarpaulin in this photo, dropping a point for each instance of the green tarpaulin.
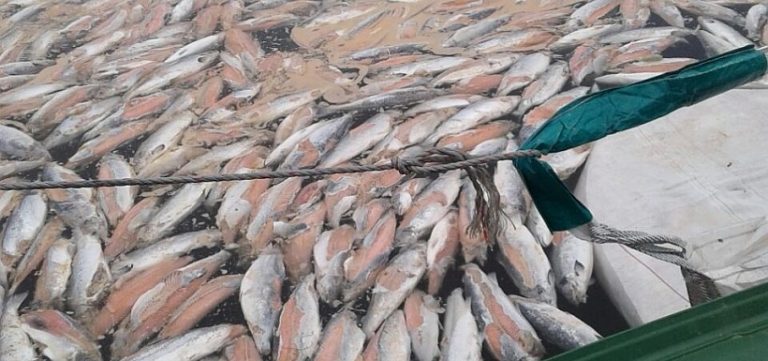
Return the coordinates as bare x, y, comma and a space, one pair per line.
603, 113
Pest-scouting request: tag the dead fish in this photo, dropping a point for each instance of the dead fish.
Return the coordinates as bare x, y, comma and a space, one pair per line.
724, 31
115, 202
668, 12
526, 263
635, 13
755, 20
393, 285
262, 113
200, 304
297, 247
360, 139
421, 320
124, 293
442, 247
12, 81
243, 348
590, 12
538, 228
519, 40
708, 8
508, 335
309, 151
237, 203
170, 161
397, 97
473, 115
524, 71
296, 120
153, 308
37, 250
161, 141
556, 326
79, 123
13, 168
168, 248
512, 191
14, 342
713, 44
426, 67
74, 206
428, 208
578, 37
62, 337
23, 226
567, 162
443, 102
467, 34
275, 201
627, 36
90, 276
391, 342
216, 156
461, 339
329, 254
30, 91
299, 328
108, 141
169, 72
125, 236
54, 273
543, 88
488, 65
402, 197
192, 345
367, 260
17, 145
188, 198
260, 296
540, 114
572, 261
410, 132
662, 66
342, 339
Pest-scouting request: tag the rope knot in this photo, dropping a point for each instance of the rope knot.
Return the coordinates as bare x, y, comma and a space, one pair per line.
407, 166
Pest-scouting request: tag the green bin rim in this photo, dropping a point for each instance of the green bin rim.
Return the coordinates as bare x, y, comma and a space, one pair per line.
734, 327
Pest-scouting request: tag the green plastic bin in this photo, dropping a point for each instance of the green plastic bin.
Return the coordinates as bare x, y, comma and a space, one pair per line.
732, 328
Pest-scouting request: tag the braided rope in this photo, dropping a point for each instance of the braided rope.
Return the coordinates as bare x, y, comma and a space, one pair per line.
666, 248
444, 160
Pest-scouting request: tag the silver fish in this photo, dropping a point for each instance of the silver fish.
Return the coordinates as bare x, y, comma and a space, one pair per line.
572, 261
23, 226
30, 91
393, 285
667, 10
299, 327
713, 44
578, 37
545, 87
755, 20
168, 248
115, 202
724, 31
488, 65
75, 206
556, 326
14, 342
17, 145
196, 47
76, 125
193, 345
535, 223
428, 67
62, 337
360, 139
644, 33
397, 97
54, 273
421, 320
168, 72
523, 72
161, 141
708, 8
461, 339
391, 342
477, 113
90, 275
260, 296
342, 339
467, 34
428, 208
175, 209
